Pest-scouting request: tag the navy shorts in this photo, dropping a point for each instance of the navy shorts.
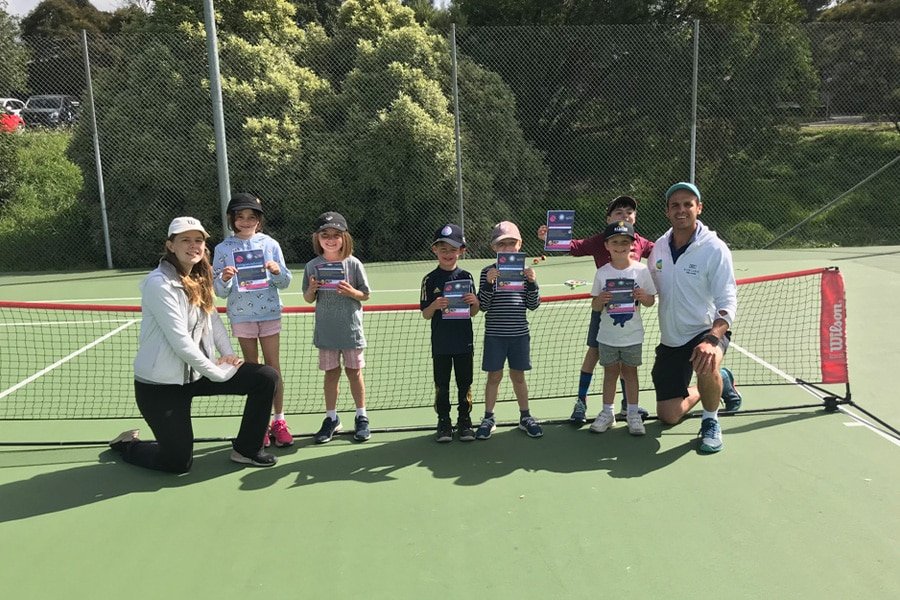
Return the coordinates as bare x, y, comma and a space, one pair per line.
497, 349
672, 370
594, 329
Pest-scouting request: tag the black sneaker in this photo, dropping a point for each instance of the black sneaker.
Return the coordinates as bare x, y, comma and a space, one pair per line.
327, 430
261, 459
623, 413
361, 425
444, 430
464, 429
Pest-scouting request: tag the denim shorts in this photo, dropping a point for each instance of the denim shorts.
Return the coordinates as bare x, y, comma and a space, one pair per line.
627, 355
497, 349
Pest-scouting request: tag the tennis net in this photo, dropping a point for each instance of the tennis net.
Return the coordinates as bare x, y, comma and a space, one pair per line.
63, 361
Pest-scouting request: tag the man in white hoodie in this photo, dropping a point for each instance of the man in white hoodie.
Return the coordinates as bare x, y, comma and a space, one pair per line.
693, 273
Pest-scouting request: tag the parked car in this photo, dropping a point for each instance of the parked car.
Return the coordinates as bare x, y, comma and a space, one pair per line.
13, 104
50, 110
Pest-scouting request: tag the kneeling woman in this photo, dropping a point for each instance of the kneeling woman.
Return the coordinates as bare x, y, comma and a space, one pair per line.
180, 333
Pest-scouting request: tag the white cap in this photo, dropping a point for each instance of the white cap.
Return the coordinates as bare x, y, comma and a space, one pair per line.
182, 224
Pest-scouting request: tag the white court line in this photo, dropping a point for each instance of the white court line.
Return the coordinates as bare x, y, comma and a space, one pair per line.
781, 373
42, 323
65, 359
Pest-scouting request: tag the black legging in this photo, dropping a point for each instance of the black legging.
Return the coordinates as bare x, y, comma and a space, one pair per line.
461, 365
167, 410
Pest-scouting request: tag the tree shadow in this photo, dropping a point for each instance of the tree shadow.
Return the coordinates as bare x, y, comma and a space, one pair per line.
109, 478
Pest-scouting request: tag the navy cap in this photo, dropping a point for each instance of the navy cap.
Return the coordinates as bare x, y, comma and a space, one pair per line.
683, 185
331, 220
618, 228
244, 200
450, 233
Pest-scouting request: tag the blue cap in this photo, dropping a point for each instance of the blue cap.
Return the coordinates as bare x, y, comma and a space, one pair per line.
683, 185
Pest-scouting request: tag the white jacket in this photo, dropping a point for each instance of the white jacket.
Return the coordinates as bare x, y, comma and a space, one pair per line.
696, 290
177, 340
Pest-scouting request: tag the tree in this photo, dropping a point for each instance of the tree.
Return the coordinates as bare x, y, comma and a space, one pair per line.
15, 56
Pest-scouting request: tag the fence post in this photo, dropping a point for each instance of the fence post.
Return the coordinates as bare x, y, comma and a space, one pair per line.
694, 100
100, 188
215, 91
459, 183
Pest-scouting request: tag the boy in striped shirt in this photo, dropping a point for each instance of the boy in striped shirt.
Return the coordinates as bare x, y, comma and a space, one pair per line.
506, 335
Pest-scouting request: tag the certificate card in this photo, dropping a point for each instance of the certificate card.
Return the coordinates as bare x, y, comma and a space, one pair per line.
251, 270
330, 274
454, 292
622, 301
512, 271
559, 230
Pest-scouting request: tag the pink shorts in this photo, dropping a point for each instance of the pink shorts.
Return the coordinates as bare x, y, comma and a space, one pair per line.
256, 329
331, 359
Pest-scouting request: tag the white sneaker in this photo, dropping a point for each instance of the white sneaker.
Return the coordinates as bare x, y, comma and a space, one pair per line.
604, 421
635, 424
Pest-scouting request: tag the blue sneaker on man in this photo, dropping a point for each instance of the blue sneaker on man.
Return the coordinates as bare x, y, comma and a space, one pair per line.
730, 395
710, 436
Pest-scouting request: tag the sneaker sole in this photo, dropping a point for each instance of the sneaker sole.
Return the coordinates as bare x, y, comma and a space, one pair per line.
711, 449
468, 438
444, 440
240, 459
283, 444
329, 438
603, 430
362, 438
637, 432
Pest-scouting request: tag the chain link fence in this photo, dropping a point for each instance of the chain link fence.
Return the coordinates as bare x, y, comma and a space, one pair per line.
788, 119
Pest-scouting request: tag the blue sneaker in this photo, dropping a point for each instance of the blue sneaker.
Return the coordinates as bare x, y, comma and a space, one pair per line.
361, 425
579, 416
730, 395
710, 436
531, 427
486, 428
327, 430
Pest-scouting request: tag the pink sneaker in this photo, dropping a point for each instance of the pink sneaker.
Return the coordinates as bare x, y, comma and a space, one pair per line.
281, 433
266, 441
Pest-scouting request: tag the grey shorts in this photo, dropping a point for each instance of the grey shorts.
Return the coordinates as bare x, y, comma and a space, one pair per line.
627, 355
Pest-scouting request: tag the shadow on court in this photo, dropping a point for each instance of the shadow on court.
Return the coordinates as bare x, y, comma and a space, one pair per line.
110, 478
563, 449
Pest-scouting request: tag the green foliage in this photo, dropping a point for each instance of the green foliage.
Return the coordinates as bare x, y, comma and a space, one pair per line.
14, 55
790, 183
42, 224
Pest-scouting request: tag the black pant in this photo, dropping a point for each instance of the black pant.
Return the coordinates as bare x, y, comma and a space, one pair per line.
167, 410
461, 365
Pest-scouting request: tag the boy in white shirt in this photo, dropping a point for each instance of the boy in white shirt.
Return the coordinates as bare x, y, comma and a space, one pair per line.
619, 286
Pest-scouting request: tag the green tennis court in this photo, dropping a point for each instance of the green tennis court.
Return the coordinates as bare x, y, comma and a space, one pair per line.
802, 503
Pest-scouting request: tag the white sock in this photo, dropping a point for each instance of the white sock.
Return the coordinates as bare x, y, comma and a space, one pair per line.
632, 409
332, 414
278, 417
361, 412
714, 415
608, 408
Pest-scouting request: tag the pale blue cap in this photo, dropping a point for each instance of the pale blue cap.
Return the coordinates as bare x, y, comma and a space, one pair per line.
683, 185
